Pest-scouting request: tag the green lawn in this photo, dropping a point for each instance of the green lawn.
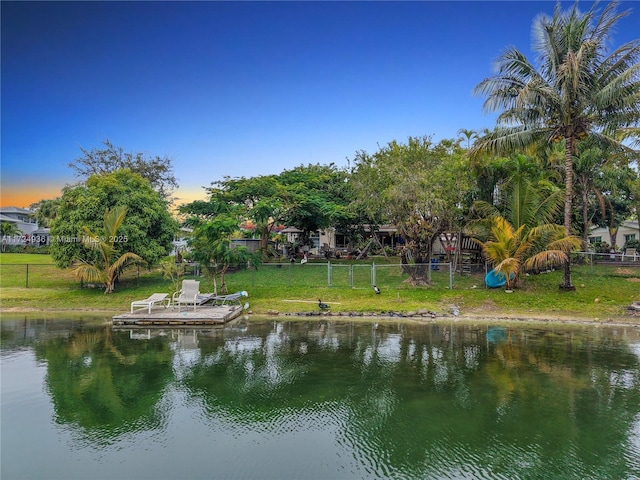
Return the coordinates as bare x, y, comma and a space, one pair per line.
602, 292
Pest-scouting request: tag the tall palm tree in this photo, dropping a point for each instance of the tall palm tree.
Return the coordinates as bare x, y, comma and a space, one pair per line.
468, 135
517, 233
578, 89
109, 264
512, 250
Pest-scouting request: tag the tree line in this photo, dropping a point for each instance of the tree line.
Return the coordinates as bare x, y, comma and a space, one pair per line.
562, 157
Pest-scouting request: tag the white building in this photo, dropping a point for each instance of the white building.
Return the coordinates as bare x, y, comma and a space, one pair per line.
24, 219
627, 232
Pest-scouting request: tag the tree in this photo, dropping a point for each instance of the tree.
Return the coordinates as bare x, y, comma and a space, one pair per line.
8, 229
46, 211
511, 250
148, 228
579, 89
634, 193
214, 225
157, 170
468, 136
110, 263
517, 232
261, 198
604, 181
308, 197
524, 197
314, 197
418, 187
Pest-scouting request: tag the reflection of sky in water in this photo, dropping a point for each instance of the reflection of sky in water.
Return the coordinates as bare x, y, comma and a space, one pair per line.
385, 348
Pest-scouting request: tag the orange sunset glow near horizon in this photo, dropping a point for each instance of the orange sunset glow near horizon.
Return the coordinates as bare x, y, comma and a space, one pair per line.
25, 195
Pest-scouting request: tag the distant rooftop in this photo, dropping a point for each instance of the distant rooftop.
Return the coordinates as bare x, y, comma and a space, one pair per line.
24, 211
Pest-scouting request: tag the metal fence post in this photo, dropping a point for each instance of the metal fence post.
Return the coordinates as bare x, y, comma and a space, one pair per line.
373, 273
450, 276
27, 280
329, 274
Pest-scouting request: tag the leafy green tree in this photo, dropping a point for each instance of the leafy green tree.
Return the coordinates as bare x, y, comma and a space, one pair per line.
214, 225
308, 197
578, 89
314, 197
46, 211
8, 229
110, 263
157, 170
261, 198
419, 188
148, 228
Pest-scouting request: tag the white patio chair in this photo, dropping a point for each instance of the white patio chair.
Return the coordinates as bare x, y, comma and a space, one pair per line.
188, 294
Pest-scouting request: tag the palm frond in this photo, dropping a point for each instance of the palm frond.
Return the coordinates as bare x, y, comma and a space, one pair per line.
87, 272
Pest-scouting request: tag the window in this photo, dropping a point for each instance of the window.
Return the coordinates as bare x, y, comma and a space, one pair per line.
595, 239
631, 237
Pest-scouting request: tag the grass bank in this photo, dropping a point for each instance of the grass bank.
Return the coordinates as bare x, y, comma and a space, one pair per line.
603, 293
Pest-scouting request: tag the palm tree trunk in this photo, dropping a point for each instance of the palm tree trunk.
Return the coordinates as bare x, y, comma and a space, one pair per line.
568, 168
585, 217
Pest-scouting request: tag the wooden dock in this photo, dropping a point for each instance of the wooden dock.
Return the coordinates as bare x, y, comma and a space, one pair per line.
161, 316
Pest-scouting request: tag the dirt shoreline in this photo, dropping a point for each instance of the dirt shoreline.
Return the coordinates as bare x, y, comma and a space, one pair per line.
468, 316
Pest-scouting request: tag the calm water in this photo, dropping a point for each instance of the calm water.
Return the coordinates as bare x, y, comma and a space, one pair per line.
330, 400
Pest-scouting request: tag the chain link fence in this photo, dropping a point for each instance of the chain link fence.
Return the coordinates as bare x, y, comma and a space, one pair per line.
40, 275
342, 275
313, 274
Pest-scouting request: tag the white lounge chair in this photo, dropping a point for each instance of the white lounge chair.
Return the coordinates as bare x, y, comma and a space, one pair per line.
630, 252
150, 302
231, 298
188, 294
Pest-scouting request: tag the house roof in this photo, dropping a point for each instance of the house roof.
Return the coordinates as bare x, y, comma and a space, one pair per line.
627, 224
4, 218
24, 211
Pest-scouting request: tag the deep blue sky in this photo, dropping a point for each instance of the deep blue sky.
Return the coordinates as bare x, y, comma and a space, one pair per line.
243, 88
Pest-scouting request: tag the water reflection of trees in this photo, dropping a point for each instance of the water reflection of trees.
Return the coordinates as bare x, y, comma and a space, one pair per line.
407, 400
105, 384
430, 399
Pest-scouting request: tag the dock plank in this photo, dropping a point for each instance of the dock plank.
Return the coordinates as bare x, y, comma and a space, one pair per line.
203, 315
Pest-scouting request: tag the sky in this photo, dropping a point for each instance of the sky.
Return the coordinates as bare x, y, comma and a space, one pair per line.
240, 88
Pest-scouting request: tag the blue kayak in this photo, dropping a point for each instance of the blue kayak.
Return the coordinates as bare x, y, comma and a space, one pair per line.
494, 279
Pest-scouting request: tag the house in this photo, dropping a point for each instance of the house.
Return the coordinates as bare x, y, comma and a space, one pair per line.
23, 218
336, 243
25, 221
627, 232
